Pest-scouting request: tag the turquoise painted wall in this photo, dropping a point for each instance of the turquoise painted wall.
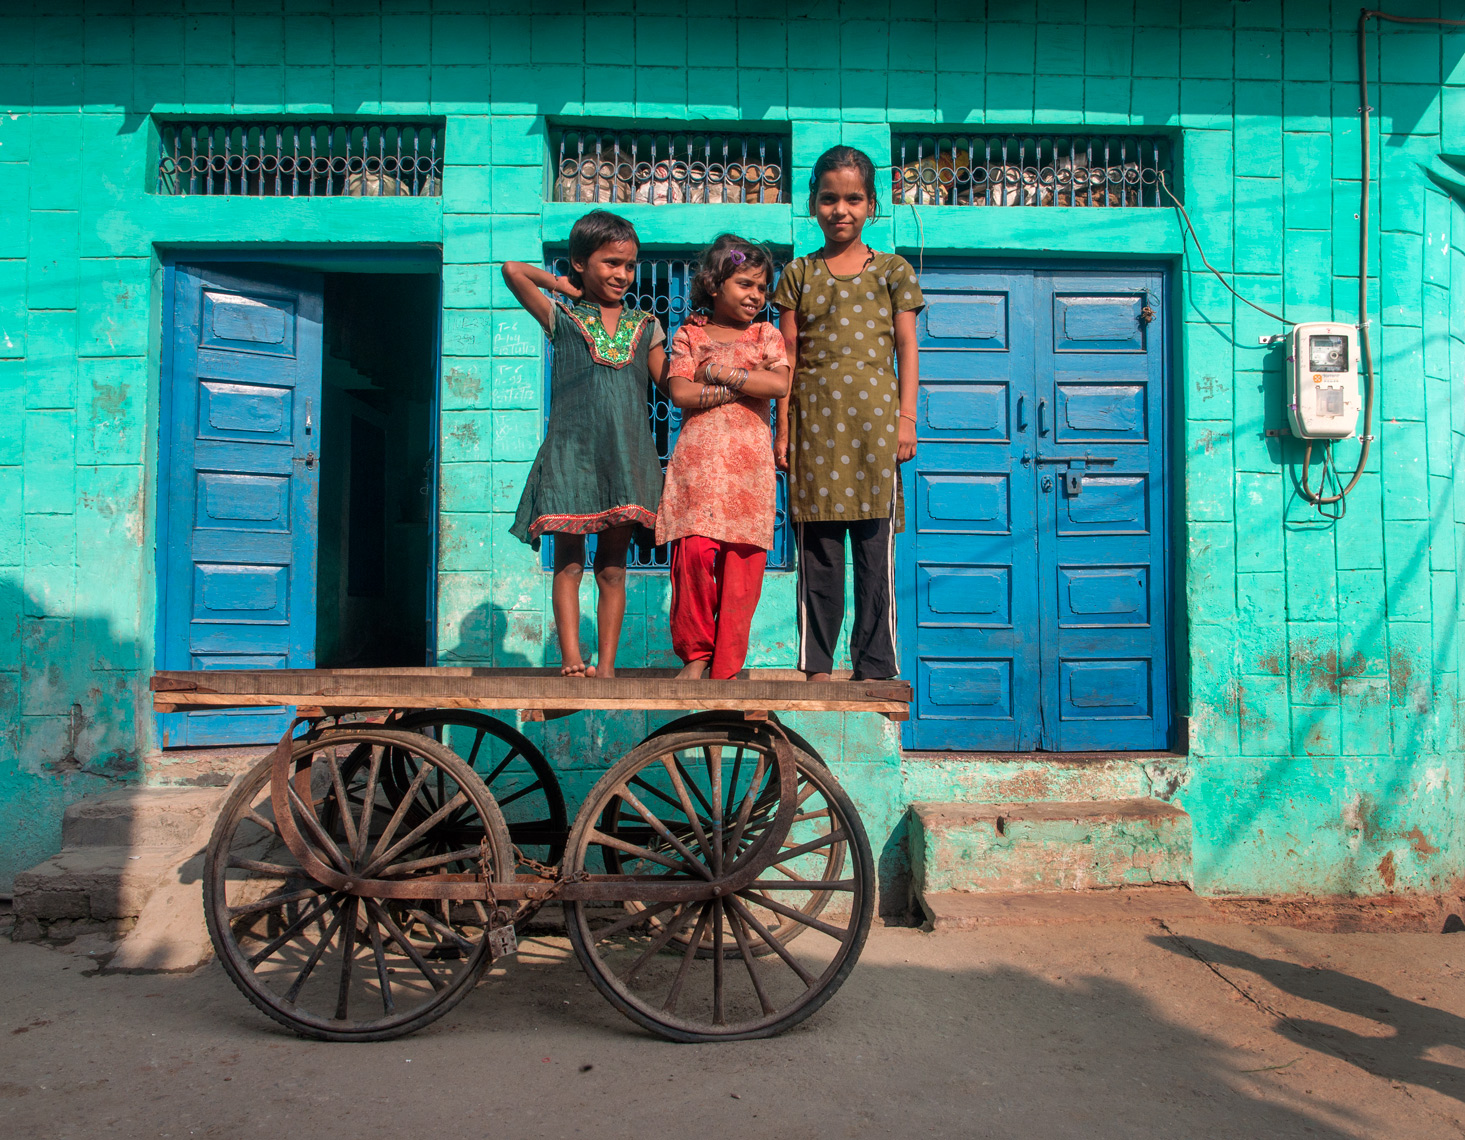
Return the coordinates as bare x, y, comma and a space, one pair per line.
1320, 659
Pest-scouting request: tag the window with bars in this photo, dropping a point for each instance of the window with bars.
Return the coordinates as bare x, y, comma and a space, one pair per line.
663, 287
1111, 171
245, 158
603, 165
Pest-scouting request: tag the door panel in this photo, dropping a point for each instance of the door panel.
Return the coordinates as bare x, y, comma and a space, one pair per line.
241, 485
1034, 579
971, 553
1106, 677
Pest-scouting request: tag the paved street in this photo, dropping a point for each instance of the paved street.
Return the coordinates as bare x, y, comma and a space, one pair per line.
1191, 1029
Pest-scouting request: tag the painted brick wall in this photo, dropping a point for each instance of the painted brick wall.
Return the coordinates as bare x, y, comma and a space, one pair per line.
1320, 659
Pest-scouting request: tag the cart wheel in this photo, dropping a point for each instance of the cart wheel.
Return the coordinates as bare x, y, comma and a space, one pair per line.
824, 809
522, 781
720, 718
330, 964
714, 969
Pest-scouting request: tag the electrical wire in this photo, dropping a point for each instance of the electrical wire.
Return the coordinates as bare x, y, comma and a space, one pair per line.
1365, 344
1165, 186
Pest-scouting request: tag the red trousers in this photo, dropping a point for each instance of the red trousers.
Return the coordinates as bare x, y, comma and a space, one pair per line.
714, 591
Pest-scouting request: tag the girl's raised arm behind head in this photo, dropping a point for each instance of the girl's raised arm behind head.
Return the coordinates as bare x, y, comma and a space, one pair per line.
525, 282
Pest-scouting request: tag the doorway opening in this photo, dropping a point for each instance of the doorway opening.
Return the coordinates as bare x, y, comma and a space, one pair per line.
297, 474
374, 557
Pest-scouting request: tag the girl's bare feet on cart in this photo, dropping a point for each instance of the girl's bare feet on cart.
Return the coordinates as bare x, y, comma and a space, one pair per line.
692, 671
577, 669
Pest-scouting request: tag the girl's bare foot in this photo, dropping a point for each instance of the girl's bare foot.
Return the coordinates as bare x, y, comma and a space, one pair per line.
816, 676
605, 672
692, 671
573, 670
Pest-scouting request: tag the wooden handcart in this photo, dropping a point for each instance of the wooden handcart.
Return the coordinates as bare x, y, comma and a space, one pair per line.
717, 883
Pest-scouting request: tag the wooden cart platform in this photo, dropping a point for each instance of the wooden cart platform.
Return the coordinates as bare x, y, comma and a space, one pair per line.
537, 693
716, 882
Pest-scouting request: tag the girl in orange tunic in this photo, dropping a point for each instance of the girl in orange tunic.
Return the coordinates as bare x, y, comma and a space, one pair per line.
717, 503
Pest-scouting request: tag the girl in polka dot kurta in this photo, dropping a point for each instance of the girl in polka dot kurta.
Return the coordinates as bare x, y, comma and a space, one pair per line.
848, 316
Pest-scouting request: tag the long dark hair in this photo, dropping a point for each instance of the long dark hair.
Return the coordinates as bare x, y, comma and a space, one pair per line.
845, 158
593, 230
727, 255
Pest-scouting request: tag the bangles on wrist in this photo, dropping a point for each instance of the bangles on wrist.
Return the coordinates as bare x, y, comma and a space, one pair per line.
722, 385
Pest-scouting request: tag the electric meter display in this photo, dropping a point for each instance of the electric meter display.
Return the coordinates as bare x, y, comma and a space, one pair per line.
1327, 353
1323, 393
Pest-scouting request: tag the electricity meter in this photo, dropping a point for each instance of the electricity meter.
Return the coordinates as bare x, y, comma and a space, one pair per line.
1324, 389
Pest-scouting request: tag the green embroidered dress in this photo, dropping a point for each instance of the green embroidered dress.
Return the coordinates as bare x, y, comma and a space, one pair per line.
597, 467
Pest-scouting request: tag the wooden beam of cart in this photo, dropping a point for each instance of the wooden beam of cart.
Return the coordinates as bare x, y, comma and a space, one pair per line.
538, 693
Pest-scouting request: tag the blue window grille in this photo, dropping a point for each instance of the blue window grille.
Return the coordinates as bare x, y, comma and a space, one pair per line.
663, 286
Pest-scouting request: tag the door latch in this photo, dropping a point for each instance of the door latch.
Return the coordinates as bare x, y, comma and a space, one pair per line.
310, 461
1075, 469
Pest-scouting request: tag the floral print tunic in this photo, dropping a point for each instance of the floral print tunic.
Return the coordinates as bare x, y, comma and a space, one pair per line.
720, 481
844, 407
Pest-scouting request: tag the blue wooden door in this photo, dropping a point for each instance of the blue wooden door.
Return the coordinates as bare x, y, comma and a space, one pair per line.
1033, 577
241, 485
972, 550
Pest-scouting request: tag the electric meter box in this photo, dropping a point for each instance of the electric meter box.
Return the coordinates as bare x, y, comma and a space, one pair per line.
1324, 400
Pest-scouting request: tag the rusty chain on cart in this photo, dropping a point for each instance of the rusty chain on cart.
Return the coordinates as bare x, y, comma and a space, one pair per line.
502, 938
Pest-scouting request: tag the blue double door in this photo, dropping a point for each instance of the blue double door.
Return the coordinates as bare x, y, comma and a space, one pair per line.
1034, 573
241, 473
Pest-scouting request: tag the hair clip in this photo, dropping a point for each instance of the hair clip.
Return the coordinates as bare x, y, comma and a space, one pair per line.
736, 256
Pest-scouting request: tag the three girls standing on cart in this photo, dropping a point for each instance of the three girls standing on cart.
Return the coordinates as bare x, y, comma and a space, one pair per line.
846, 420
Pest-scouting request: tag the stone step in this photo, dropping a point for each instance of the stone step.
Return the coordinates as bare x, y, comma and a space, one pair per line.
139, 817
1034, 847
87, 889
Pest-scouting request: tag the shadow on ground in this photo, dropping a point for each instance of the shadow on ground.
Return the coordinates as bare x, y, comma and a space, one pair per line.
1378, 1030
1052, 1033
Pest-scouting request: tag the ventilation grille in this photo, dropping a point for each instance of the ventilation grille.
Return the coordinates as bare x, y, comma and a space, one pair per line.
663, 287
301, 160
1033, 170
661, 168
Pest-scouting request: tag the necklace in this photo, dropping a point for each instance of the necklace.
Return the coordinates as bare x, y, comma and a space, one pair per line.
869, 260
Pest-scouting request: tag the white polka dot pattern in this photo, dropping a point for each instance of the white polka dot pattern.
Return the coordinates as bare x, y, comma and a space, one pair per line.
846, 398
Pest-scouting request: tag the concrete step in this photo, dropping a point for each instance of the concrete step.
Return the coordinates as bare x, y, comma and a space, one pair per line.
950, 911
120, 850
1034, 847
139, 817
87, 889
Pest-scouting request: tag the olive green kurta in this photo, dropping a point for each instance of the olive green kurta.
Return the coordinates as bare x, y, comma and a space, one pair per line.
844, 407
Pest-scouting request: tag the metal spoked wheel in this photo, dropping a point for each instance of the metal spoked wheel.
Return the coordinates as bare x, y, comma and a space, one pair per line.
824, 815
695, 807
523, 782
329, 963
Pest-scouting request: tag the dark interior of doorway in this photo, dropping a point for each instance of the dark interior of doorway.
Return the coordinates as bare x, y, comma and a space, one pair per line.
375, 553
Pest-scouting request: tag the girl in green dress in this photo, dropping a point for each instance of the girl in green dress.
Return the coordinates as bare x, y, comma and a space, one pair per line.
597, 471
848, 317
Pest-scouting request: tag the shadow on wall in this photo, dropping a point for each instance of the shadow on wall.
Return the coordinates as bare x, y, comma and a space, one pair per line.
72, 724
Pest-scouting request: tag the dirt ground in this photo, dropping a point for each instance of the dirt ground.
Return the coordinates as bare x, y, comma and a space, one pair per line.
1180, 1029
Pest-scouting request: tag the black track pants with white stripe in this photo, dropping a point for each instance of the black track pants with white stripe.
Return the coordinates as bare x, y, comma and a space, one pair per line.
821, 596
